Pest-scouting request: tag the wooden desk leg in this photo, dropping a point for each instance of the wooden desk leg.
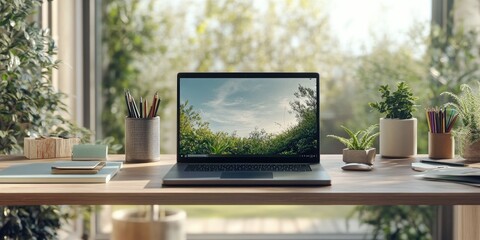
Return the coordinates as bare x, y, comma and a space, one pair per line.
466, 222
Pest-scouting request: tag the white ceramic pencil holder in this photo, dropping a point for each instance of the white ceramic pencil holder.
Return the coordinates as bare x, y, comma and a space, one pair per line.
142, 139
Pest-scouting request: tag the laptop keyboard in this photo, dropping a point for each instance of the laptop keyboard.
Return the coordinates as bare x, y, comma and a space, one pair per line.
248, 167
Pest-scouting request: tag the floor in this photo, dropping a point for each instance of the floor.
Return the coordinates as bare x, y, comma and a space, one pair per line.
264, 228
272, 226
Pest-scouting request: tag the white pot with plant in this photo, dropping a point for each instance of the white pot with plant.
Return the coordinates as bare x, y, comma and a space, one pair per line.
467, 104
398, 130
358, 148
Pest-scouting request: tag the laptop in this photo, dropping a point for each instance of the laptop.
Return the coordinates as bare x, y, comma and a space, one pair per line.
248, 129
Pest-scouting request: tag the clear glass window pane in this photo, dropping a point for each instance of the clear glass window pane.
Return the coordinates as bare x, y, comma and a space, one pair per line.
354, 45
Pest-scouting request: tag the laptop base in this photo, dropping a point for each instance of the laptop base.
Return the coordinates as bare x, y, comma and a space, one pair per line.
177, 176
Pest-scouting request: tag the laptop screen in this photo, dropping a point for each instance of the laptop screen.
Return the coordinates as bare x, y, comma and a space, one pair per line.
248, 117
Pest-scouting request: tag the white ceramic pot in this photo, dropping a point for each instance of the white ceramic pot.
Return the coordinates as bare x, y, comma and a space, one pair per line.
359, 156
133, 224
398, 137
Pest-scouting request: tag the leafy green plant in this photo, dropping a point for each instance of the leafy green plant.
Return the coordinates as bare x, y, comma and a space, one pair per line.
399, 104
360, 140
467, 104
397, 222
31, 222
29, 104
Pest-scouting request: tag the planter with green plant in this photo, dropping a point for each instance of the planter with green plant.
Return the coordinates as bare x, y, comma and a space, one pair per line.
358, 148
467, 104
398, 130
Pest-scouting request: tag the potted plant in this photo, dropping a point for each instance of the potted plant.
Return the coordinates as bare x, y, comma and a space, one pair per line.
358, 148
467, 104
398, 130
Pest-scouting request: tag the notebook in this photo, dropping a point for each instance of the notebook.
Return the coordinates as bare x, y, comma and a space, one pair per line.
248, 129
77, 167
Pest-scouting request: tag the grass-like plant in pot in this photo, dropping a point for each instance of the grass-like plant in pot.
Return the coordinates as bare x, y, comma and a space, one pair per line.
398, 130
358, 148
467, 104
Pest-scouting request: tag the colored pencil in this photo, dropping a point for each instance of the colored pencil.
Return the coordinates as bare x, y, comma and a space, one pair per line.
143, 111
440, 120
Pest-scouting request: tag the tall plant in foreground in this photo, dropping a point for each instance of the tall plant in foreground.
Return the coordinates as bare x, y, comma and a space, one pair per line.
29, 104
31, 222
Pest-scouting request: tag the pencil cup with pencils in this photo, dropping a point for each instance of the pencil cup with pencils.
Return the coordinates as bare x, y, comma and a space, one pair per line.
142, 139
142, 130
441, 144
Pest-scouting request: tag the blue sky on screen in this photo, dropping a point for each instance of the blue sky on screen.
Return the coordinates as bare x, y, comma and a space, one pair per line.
242, 105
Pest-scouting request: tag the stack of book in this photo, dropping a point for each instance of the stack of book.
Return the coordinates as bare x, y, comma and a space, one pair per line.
61, 172
464, 175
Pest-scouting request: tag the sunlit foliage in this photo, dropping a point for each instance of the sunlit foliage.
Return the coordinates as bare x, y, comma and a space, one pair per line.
196, 137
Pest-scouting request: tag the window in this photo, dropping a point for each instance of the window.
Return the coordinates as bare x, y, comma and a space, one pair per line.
354, 45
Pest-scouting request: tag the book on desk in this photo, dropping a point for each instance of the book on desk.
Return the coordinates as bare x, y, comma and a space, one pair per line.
42, 173
77, 167
464, 175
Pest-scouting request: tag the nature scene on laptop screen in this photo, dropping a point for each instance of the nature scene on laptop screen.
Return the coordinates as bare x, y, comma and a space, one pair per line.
244, 117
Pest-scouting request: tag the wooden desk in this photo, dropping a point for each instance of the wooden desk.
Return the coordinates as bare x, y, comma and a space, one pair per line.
392, 182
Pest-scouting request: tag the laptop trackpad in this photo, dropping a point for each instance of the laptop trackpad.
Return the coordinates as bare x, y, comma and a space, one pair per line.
246, 175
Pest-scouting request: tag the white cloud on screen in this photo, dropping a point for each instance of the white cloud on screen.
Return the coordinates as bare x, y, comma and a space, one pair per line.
224, 91
228, 112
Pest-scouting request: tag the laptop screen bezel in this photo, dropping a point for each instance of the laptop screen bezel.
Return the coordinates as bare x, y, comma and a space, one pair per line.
253, 158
